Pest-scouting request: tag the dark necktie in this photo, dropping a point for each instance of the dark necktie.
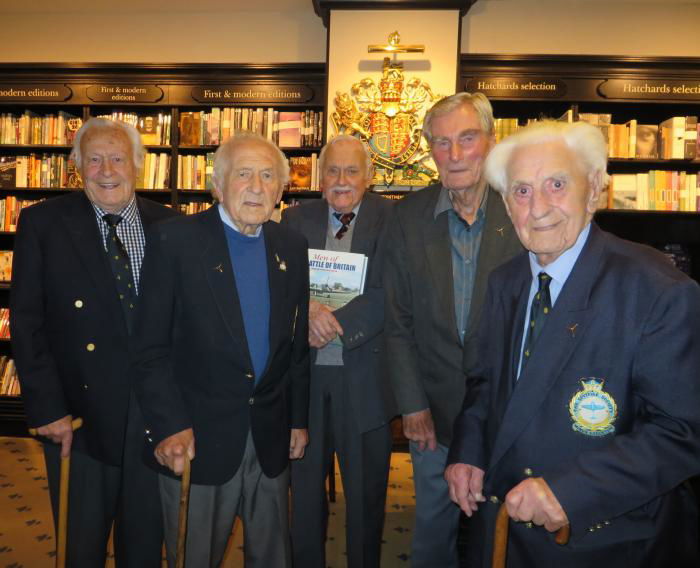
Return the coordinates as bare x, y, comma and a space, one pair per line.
345, 219
121, 268
541, 306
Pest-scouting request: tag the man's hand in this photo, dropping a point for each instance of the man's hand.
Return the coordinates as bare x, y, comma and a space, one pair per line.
533, 500
59, 432
465, 483
418, 427
171, 451
323, 327
297, 442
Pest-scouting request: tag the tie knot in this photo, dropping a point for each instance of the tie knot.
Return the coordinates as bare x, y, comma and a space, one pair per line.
345, 218
544, 280
112, 220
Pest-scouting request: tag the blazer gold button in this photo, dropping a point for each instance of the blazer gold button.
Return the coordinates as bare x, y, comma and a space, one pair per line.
90, 347
599, 526
249, 375
251, 400
493, 499
78, 304
527, 471
85, 387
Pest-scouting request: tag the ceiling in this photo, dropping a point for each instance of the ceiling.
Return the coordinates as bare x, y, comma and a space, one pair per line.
150, 6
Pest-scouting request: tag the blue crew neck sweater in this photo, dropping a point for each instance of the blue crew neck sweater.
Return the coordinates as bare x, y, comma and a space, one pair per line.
249, 261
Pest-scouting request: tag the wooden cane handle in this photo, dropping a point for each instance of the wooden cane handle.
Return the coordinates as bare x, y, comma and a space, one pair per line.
182, 517
500, 537
75, 424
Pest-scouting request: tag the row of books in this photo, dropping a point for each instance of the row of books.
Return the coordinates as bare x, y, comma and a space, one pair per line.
297, 129
656, 190
9, 211
154, 129
156, 171
9, 383
195, 171
30, 128
46, 170
303, 173
193, 207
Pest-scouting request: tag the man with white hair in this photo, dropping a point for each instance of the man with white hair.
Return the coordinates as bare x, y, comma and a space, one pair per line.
221, 360
443, 243
584, 411
351, 401
72, 311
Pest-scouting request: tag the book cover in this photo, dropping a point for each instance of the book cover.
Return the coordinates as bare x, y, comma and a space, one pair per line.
335, 278
148, 128
8, 172
646, 147
691, 137
5, 266
299, 173
290, 130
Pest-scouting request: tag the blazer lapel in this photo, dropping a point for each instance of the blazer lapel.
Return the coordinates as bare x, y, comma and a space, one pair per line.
216, 264
492, 253
553, 349
317, 224
81, 225
277, 266
363, 233
436, 234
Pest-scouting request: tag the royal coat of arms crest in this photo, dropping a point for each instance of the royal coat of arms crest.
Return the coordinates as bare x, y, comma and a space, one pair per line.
388, 118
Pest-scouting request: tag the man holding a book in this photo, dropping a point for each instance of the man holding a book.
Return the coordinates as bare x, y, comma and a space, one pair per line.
350, 403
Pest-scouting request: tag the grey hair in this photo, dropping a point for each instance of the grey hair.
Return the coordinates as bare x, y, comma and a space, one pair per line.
478, 101
137, 150
223, 158
345, 138
584, 139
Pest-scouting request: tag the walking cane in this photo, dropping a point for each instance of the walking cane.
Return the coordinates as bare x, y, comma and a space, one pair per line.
182, 516
500, 538
62, 501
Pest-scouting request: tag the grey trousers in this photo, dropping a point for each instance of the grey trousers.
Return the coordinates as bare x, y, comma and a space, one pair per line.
437, 517
261, 503
364, 467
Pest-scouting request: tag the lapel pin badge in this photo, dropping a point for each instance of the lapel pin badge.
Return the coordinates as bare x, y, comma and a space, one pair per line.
572, 329
219, 267
500, 230
282, 264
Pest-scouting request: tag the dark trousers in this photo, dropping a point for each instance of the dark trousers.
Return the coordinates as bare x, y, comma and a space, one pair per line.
101, 494
364, 468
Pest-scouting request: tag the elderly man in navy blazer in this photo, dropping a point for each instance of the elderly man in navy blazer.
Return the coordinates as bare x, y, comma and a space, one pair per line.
584, 410
222, 365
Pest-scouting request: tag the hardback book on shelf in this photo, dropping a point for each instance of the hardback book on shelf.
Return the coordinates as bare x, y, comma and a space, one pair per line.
195, 171
303, 173
9, 211
656, 190
4, 323
5, 265
45, 171
288, 129
155, 173
193, 207
32, 128
9, 383
154, 129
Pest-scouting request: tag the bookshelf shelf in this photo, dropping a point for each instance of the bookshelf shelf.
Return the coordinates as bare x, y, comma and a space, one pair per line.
47, 147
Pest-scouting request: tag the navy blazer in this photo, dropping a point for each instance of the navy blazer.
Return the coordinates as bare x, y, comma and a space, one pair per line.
627, 317
192, 363
63, 300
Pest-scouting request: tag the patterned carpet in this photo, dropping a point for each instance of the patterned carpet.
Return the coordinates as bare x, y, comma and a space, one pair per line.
27, 534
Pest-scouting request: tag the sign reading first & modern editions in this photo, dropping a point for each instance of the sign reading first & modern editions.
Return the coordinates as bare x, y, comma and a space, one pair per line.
253, 93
